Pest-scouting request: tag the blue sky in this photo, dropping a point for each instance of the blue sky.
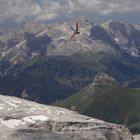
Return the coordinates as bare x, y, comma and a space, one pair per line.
50, 10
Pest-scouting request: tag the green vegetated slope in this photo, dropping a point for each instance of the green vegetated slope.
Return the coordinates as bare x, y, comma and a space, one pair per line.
111, 103
47, 79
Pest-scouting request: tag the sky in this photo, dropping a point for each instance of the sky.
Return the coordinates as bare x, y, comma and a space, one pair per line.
53, 10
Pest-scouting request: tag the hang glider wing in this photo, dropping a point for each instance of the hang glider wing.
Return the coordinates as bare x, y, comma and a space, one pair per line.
77, 26
76, 30
72, 35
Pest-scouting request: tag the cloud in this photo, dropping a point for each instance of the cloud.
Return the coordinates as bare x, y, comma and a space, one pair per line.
40, 10
16, 8
20, 9
106, 7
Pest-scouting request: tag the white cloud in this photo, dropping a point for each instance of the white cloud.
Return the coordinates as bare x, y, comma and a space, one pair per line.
106, 7
51, 9
21, 9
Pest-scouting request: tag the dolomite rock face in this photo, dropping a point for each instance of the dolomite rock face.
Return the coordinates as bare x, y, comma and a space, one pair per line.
30, 40
103, 79
25, 120
137, 137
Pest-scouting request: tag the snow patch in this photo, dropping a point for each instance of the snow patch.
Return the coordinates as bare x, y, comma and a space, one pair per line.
116, 39
54, 119
33, 54
42, 33
49, 112
62, 37
21, 43
60, 113
1, 108
134, 53
9, 109
95, 120
3, 54
12, 104
15, 101
11, 123
1, 74
32, 119
33, 108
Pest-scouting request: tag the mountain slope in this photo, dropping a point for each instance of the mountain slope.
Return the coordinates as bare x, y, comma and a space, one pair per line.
47, 79
105, 99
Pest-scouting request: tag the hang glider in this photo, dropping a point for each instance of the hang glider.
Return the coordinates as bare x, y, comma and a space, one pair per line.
76, 30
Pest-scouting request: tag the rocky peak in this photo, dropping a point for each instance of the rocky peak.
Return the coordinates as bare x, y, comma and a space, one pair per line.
103, 79
137, 26
99, 33
117, 26
123, 34
105, 24
121, 27
85, 21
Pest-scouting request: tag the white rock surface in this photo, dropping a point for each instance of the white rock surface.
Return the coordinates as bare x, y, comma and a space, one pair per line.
136, 137
24, 120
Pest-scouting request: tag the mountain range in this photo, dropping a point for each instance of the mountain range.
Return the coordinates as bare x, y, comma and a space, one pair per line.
40, 62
